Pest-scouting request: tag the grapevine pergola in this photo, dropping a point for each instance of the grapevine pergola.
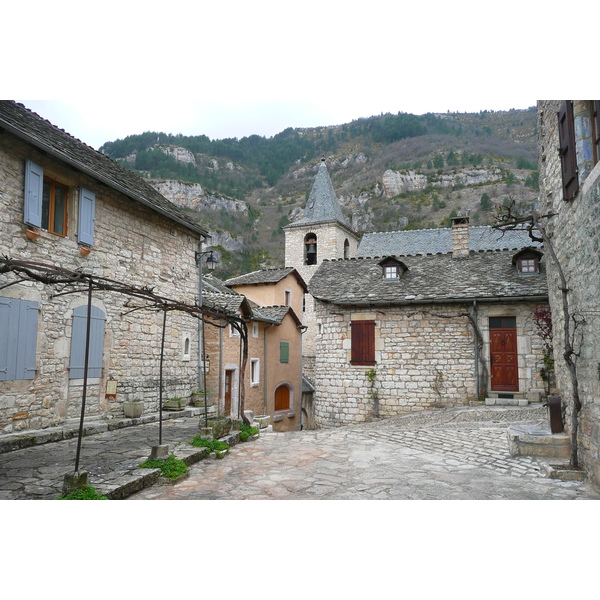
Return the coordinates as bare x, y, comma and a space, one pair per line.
67, 281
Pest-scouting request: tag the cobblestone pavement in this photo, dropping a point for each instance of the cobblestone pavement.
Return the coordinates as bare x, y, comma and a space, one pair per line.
454, 454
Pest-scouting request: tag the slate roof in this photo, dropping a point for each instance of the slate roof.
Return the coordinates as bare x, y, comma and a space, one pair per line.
434, 241
267, 276
229, 304
322, 205
485, 275
30, 127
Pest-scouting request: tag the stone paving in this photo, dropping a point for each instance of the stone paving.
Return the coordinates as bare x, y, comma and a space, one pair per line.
456, 454
453, 454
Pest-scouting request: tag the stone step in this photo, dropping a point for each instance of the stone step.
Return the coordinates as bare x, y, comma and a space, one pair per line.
506, 402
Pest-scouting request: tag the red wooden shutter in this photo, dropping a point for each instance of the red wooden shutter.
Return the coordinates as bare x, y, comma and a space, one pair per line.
568, 158
363, 342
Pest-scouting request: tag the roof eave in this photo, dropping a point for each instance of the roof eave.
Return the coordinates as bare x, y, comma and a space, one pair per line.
88, 171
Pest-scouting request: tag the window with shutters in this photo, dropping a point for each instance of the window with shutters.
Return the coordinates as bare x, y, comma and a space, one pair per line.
568, 157
363, 342
18, 338
46, 205
78, 343
284, 352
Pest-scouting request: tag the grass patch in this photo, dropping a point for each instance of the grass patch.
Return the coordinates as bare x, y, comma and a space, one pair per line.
170, 467
87, 492
213, 445
246, 431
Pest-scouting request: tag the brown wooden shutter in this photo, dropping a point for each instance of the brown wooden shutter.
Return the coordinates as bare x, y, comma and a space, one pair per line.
596, 129
568, 158
363, 342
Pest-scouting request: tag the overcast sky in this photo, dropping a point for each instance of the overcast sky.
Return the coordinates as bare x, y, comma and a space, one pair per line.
238, 68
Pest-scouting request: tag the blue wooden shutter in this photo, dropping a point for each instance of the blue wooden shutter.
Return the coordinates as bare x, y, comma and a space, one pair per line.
284, 352
18, 339
77, 362
34, 191
87, 205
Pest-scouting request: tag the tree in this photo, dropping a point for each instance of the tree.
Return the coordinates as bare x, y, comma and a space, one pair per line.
486, 202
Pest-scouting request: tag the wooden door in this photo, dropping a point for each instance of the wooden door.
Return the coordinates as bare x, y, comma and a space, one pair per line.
228, 386
503, 353
282, 398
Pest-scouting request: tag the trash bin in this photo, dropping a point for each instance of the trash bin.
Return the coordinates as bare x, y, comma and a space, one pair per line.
555, 410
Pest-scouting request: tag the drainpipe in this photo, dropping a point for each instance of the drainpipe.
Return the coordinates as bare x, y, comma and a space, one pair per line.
265, 368
302, 328
476, 343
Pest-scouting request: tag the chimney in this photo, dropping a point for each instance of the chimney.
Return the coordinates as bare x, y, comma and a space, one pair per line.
460, 237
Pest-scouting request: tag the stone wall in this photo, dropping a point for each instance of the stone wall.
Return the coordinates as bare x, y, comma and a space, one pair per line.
133, 245
575, 235
425, 359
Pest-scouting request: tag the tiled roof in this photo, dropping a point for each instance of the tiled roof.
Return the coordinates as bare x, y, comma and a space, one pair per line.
35, 130
265, 276
434, 278
212, 284
226, 303
322, 205
434, 241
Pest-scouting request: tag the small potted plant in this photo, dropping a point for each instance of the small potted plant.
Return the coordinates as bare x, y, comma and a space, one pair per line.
133, 409
173, 404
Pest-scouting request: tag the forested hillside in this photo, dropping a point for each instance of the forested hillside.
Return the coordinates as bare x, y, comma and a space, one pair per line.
389, 171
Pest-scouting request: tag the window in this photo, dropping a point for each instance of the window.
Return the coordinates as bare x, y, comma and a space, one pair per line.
46, 205
310, 249
186, 345
78, 342
391, 272
346, 249
254, 330
233, 332
363, 342
528, 265
287, 298
254, 371
18, 338
503, 322
568, 158
282, 398
284, 352
54, 207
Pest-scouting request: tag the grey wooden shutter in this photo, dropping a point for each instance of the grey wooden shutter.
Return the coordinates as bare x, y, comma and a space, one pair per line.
34, 191
18, 338
568, 157
87, 207
78, 339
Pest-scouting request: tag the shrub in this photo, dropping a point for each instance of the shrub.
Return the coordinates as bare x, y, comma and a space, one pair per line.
212, 445
247, 431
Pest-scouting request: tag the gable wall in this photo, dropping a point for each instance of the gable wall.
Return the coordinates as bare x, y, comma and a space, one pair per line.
132, 244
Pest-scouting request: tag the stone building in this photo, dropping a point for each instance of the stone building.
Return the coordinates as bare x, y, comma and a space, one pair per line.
569, 164
322, 233
396, 326
65, 204
268, 301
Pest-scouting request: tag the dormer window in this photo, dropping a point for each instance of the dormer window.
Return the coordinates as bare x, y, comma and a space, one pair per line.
527, 261
528, 265
392, 269
391, 272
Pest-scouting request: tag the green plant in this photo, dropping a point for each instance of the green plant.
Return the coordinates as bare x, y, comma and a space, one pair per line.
247, 431
87, 492
171, 467
212, 445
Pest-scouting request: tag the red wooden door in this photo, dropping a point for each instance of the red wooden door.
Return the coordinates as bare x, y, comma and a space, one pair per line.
503, 352
228, 385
